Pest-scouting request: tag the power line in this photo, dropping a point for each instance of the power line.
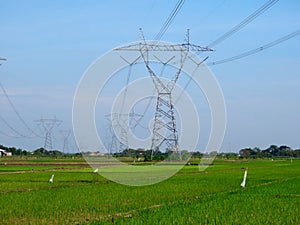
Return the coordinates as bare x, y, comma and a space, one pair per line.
158, 36
253, 51
190, 79
47, 125
8, 135
127, 82
13, 129
5, 122
238, 27
17, 113
164, 132
246, 21
169, 20
242, 55
15, 110
138, 121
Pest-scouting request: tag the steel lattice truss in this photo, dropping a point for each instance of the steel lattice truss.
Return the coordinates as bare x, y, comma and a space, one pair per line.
164, 129
47, 126
120, 124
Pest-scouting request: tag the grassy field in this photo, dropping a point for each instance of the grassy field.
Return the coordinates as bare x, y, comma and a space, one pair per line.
78, 196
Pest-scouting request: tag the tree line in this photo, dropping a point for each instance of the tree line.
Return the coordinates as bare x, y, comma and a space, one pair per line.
36, 152
272, 151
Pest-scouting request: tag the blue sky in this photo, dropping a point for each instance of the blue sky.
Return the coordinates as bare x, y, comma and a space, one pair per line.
49, 45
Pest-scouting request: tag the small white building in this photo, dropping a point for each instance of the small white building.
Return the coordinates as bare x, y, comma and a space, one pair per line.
5, 153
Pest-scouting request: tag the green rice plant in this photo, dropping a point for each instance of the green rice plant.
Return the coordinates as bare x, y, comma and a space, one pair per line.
214, 196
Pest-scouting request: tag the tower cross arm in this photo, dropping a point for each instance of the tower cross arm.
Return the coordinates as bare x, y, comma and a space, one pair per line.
154, 46
197, 48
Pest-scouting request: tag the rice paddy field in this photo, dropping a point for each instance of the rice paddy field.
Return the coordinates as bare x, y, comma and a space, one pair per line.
214, 196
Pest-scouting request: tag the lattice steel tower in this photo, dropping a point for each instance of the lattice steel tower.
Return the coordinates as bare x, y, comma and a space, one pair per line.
120, 123
164, 129
65, 134
47, 125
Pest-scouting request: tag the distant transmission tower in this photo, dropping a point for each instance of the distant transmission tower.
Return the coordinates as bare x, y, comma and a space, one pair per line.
119, 122
112, 141
164, 129
46, 126
116, 145
65, 134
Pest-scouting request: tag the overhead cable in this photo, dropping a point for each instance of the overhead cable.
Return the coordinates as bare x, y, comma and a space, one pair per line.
16, 111
253, 51
246, 21
169, 20
10, 127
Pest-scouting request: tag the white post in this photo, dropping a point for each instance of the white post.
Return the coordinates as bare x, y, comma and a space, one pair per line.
243, 184
51, 179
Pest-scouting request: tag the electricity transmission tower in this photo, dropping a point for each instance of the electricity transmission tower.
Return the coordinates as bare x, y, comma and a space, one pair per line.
46, 126
120, 123
65, 134
164, 129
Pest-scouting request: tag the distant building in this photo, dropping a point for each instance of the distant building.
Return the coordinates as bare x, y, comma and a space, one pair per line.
5, 153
